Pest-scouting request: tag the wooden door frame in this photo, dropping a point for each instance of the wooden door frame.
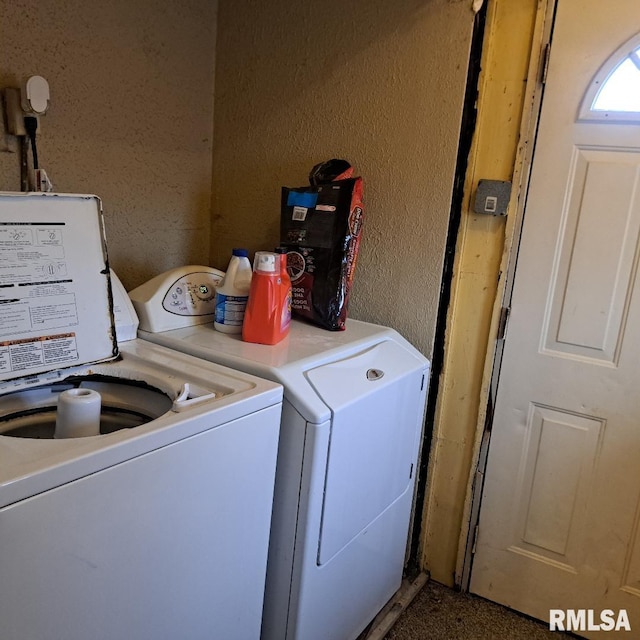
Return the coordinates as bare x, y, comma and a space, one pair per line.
509, 95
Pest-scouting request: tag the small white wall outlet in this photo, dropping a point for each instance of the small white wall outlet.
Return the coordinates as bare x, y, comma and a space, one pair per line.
35, 96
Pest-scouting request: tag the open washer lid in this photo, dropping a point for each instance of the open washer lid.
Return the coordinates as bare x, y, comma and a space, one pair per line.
55, 301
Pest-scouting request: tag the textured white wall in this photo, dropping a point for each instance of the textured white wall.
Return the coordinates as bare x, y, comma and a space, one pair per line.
379, 83
131, 117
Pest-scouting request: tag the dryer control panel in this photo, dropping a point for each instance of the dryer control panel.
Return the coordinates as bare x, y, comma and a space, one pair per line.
178, 298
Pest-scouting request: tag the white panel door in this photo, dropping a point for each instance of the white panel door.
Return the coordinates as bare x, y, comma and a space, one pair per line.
561, 504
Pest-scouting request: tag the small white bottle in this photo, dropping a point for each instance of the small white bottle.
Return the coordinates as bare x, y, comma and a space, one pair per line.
233, 293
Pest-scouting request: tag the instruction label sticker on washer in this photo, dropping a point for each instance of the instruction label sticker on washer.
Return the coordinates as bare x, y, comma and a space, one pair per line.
34, 274
24, 355
54, 304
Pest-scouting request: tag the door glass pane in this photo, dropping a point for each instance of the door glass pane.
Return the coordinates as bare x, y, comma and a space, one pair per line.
621, 89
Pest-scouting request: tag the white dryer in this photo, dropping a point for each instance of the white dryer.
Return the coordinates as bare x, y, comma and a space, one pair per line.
351, 427
155, 528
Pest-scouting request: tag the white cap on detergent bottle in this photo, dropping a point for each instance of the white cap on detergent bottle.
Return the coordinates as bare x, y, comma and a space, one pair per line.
266, 262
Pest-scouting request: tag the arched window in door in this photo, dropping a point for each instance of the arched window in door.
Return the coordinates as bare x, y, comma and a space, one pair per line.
614, 93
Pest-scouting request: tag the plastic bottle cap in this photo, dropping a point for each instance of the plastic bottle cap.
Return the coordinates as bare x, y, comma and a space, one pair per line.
265, 262
241, 253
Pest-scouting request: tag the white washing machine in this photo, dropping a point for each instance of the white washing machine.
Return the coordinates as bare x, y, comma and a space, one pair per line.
351, 428
156, 527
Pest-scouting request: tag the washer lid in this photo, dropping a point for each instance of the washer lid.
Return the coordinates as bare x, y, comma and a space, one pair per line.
55, 302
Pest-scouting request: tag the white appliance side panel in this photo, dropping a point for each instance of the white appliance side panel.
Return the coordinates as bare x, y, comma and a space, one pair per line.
123, 312
171, 542
289, 501
303, 574
376, 398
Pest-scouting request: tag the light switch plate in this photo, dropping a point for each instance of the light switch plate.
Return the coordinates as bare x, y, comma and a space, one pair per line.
492, 197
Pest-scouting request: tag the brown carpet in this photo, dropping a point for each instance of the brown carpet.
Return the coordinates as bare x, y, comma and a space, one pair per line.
440, 613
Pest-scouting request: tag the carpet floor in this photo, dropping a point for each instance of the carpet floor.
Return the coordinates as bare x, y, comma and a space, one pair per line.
440, 613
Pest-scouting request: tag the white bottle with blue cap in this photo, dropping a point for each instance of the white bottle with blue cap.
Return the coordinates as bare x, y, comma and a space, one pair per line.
233, 293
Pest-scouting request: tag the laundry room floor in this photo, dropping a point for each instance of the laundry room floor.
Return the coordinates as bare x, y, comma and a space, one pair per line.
440, 613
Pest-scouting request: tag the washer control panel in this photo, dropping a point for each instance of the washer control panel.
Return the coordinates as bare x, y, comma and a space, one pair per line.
178, 298
192, 295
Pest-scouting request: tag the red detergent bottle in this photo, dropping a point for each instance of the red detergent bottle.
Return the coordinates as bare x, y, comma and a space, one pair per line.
263, 319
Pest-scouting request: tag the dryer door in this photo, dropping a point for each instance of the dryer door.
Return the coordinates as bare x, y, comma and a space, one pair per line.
377, 400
